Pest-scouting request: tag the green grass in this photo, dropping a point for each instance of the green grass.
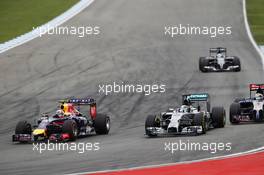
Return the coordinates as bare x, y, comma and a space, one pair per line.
20, 16
255, 11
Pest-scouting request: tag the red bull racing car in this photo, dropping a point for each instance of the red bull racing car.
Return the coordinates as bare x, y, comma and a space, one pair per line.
66, 125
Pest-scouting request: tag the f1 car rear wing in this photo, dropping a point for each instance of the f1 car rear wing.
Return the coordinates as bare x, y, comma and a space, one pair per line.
259, 88
214, 51
82, 101
196, 97
79, 101
218, 50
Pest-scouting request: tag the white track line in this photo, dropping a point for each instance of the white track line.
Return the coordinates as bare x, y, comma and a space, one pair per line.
261, 149
262, 49
77, 8
250, 34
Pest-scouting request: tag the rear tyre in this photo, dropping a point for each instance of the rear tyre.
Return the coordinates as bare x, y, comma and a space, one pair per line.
218, 117
151, 121
234, 110
70, 127
202, 63
23, 127
237, 63
237, 100
102, 124
199, 120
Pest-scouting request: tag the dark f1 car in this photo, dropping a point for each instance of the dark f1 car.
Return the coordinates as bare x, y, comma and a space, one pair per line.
248, 109
193, 116
67, 124
218, 61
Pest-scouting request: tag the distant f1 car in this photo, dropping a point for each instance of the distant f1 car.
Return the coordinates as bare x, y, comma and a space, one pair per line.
248, 109
193, 116
67, 124
218, 61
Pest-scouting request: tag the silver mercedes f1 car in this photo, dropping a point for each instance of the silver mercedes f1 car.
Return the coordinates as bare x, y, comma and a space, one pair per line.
218, 61
193, 116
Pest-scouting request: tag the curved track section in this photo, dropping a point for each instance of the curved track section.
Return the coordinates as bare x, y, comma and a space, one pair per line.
131, 48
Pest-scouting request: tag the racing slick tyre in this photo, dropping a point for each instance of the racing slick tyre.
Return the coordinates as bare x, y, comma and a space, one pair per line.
199, 120
102, 124
23, 127
237, 100
151, 121
70, 127
234, 111
218, 117
202, 63
237, 63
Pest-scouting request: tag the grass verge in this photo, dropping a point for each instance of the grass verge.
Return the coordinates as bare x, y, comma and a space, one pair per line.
20, 16
255, 12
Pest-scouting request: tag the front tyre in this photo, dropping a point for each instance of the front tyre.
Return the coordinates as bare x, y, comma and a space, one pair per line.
23, 127
218, 117
70, 127
152, 121
199, 120
202, 63
237, 63
234, 111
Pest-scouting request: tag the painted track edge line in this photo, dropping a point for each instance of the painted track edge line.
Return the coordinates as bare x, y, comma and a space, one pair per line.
256, 150
22, 39
249, 33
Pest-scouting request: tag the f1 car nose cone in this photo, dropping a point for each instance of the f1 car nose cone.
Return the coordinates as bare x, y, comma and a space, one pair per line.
39, 131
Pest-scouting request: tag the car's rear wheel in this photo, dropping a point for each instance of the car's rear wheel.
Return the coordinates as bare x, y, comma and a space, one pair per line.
237, 100
102, 124
218, 117
234, 110
70, 127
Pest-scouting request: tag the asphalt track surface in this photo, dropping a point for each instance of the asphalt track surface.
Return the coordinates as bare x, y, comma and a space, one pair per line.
131, 48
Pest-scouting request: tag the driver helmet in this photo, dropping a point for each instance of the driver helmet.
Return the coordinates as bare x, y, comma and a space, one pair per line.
60, 113
185, 108
259, 97
219, 55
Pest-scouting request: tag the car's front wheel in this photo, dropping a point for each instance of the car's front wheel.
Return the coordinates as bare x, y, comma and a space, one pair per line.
218, 117
70, 127
234, 111
202, 63
152, 121
199, 120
